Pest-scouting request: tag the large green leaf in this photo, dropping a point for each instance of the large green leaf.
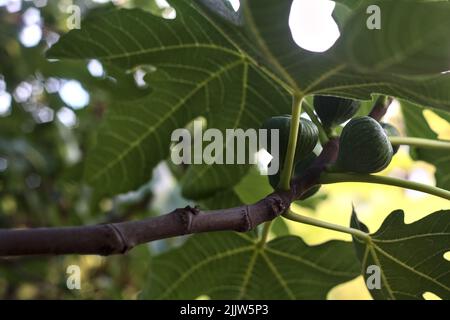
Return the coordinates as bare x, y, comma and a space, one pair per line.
198, 74
236, 72
221, 200
353, 4
246, 190
410, 41
355, 67
416, 126
410, 256
117, 83
232, 266
242, 193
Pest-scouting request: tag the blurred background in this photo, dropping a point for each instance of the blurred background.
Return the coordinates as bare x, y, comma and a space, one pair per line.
49, 111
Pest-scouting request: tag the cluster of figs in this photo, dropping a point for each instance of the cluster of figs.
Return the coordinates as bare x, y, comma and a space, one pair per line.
364, 142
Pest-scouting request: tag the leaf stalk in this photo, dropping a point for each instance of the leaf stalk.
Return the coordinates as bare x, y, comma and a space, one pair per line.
330, 178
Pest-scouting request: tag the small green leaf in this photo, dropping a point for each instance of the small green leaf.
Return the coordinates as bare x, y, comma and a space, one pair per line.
410, 256
232, 266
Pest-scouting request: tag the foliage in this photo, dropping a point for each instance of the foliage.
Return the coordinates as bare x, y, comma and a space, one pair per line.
414, 252
233, 70
279, 270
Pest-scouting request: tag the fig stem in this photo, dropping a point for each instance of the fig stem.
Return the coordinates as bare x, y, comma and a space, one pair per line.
265, 233
331, 178
422, 143
285, 179
323, 136
380, 108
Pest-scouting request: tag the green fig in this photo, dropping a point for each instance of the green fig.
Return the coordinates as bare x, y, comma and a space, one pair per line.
391, 131
308, 136
333, 111
364, 147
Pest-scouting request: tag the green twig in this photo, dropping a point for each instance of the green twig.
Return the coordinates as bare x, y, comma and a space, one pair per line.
285, 180
422, 143
265, 233
329, 178
323, 137
325, 225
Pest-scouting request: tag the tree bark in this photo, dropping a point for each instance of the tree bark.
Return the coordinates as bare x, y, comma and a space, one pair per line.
118, 238
380, 108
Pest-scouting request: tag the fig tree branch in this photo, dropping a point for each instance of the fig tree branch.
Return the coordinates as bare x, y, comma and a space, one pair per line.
118, 238
380, 108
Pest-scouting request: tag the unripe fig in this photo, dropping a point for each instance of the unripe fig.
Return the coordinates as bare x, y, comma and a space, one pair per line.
308, 136
333, 111
391, 131
364, 147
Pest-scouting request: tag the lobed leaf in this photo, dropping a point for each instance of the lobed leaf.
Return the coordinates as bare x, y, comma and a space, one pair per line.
410, 256
233, 266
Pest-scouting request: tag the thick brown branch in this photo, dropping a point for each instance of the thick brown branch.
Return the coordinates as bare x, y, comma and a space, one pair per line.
118, 238
328, 156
